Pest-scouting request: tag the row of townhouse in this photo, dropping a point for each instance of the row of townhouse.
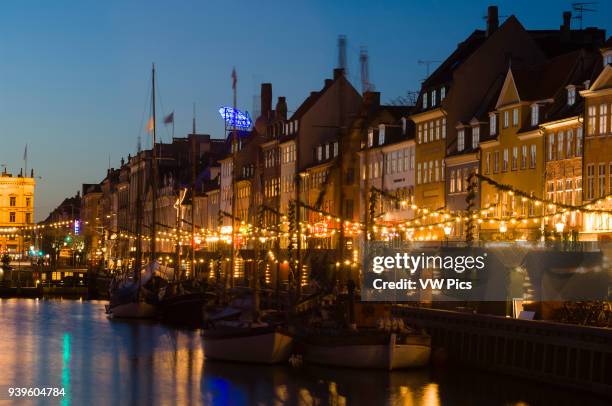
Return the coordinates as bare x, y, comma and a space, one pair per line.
525, 108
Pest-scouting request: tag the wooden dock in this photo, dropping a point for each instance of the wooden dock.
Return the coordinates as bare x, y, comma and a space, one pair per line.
568, 355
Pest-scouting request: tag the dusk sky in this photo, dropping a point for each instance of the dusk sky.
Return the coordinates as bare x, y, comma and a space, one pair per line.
75, 75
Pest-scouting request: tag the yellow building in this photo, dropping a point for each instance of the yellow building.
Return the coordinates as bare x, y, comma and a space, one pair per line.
16, 212
512, 155
597, 167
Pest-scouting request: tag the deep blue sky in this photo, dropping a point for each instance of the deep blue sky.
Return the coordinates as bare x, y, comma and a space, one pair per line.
74, 75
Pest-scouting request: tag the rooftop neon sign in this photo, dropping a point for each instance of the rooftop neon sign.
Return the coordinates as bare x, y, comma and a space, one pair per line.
236, 118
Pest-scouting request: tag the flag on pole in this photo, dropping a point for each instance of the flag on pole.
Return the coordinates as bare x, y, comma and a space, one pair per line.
234, 78
169, 119
150, 125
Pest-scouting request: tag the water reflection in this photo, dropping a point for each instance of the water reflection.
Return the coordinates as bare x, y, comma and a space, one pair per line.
71, 344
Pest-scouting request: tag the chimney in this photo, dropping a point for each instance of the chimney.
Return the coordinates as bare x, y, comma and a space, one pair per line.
492, 20
266, 99
281, 108
372, 99
338, 72
565, 28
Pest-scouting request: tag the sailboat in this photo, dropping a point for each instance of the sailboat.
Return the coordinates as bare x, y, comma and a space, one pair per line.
135, 295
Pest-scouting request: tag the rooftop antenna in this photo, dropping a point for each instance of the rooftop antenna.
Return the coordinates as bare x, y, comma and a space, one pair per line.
580, 8
427, 64
342, 53
366, 86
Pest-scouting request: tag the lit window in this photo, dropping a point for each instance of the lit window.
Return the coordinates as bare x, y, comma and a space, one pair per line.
444, 128
569, 143
320, 153
514, 158
425, 132
560, 145
602, 180
492, 124
419, 134
424, 100
515, 117
579, 141
506, 119
533, 151
591, 120
535, 114
381, 134
496, 162
475, 137
452, 181
433, 98
524, 157
571, 95
590, 181
335, 148
418, 173
603, 119
505, 161
442, 93
487, 167
370, 137
12, 217
551, 147
461, 140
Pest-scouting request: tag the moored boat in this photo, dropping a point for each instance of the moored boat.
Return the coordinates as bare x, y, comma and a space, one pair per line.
259, 343
368, 349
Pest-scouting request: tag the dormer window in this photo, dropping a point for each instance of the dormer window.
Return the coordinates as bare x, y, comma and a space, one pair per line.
370, 137
442, 93
461, 140
571, 95
424, 100
403, 125
320, 153
535, 114
492, 124
475, 137
607, 58
381, 134
433, 98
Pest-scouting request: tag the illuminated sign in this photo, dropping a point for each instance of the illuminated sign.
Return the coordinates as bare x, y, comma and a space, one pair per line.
77, 227
235, 117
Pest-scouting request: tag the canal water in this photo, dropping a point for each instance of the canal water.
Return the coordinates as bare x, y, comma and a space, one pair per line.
71, 344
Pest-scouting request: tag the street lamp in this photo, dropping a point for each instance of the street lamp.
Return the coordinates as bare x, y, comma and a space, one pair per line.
559, 227
447, 232
503, 227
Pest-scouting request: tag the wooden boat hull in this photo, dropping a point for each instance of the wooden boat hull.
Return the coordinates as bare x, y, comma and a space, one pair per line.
132, 310
412, 354
263, 347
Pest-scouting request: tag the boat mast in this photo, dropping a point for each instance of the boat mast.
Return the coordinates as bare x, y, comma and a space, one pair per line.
153, 172
234, 144
193, 193
138, 260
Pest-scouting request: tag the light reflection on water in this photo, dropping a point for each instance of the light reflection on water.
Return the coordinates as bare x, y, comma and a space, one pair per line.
71, 344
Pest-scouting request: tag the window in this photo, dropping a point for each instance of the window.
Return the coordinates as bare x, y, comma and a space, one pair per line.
437, 171
560, 145
336, 149
433, 98
459, 181
603, 119
425, 132
535, 114
442, 93
418, 173
579, 141
12, 217
602, 180
443, 166
424, 100
461, 140
12, 201
533, 151
505, 162
571, 95
475, 137
444, 128
608, 59
452, 181
425, 170
514, 158
28, 201
551, 147
381, 134
370, 137
419, 133
430, 173
590, 181
320, 152
506, 118
412, 158
524, 157
437, 129
487, 168
496, 162
569, 143
515, 117
591, 120
492, 124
